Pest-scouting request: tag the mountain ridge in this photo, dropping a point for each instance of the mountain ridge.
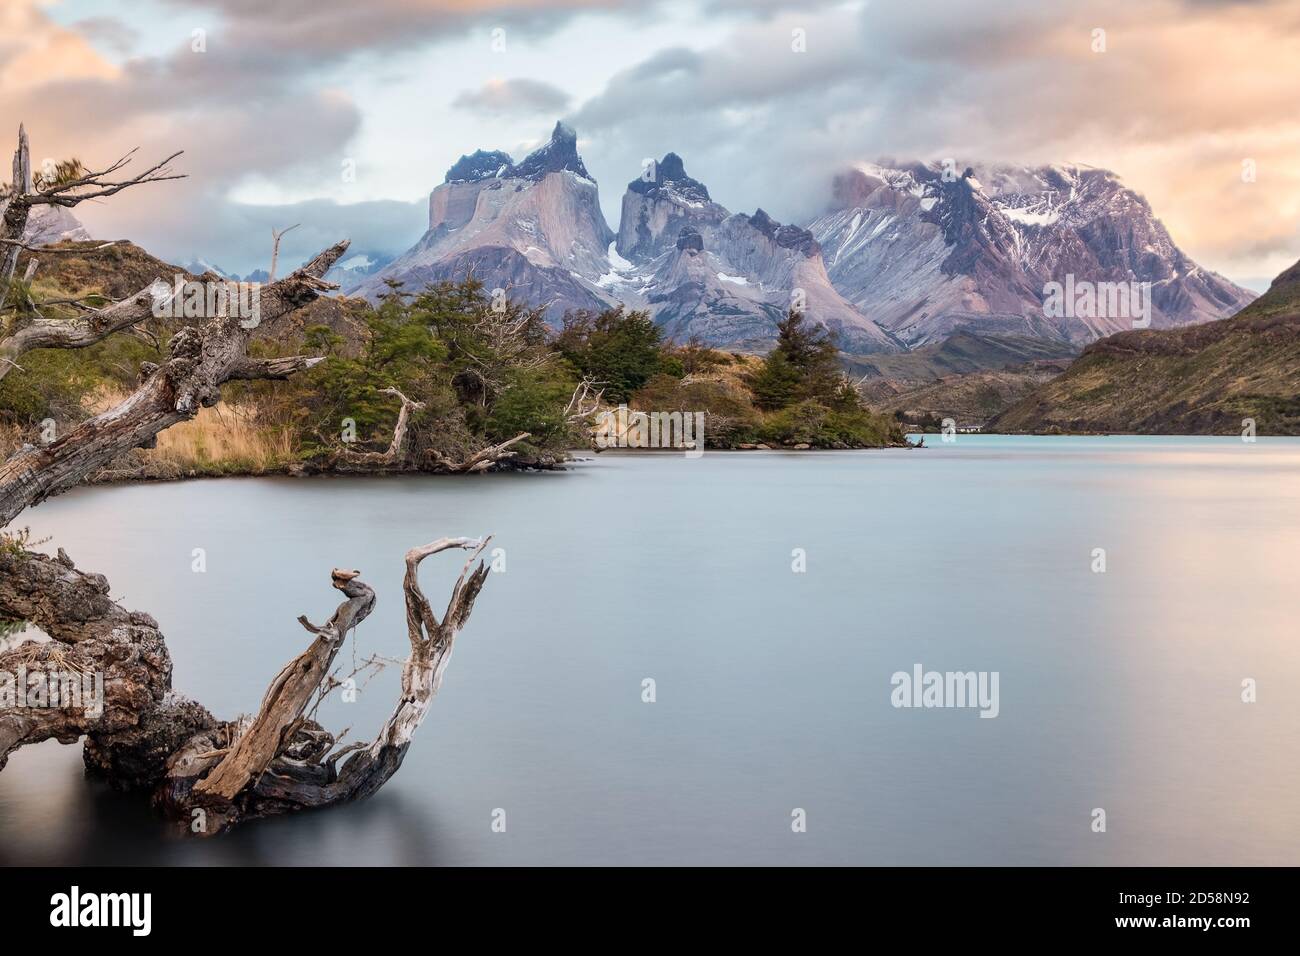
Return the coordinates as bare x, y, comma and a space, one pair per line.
927, 250
907, 254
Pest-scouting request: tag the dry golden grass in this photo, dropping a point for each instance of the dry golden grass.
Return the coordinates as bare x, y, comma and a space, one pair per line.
223, 439
10, 439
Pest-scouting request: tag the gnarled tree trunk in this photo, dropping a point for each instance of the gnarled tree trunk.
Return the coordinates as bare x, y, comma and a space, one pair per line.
207, 773
280, 761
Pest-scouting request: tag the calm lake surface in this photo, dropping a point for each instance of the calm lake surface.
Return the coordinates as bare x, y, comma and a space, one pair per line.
1119, 690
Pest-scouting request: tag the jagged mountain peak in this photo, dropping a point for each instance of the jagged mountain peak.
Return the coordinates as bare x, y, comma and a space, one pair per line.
480, 164
669, 174
558, 155
535, 227
786, 236
659, 204
909, 253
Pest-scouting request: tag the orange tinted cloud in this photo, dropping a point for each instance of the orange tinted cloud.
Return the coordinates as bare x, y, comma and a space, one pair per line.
1185, 92
34, 50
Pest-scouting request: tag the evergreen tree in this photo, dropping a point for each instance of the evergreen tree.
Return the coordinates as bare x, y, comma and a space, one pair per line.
804, 365
619, 349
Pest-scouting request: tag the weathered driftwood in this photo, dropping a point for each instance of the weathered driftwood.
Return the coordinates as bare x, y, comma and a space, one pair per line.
394, 456
289, 694
79, 332
484, 458
147, 736
280, 761
397, 458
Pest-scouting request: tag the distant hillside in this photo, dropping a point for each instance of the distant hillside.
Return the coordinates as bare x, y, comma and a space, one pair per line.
960, 353
1199, 380
969, 399
82, 267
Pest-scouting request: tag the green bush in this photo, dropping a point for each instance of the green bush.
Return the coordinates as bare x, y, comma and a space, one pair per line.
534, 402
810, 422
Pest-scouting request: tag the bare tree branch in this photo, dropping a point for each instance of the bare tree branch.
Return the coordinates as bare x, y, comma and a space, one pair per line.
276, 368
394, 455
275, 248
98, 186
52, 250
289, 693
584, 402
484, 458
201, 360
84, 330
281, 761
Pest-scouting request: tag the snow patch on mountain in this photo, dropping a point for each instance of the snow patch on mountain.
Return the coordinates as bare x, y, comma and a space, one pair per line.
926, 251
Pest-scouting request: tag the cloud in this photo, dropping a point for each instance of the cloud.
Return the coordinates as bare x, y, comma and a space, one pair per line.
1182, 94
33, 49
342, 28
237, 237
261, 108
108, 32
514, 96
239, 114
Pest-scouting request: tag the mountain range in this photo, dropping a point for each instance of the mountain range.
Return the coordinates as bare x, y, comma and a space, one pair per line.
919, 271
925, 251
904, 256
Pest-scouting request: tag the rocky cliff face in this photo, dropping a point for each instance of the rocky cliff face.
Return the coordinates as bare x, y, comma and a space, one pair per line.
659, 205
534, 228
724, 279
925, 251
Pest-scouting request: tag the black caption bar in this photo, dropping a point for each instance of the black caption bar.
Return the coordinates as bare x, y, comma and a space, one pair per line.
147, 906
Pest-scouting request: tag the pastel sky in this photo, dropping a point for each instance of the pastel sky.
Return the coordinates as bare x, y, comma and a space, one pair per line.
285, 95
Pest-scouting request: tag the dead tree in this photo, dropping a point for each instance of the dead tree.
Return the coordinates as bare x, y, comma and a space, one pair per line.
280, 761
394, 456
72, 184
397, 458
276, 236
205, 772
483, 459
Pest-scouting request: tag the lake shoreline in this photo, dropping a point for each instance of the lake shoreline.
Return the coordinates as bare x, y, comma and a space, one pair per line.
308, 470
577, 456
